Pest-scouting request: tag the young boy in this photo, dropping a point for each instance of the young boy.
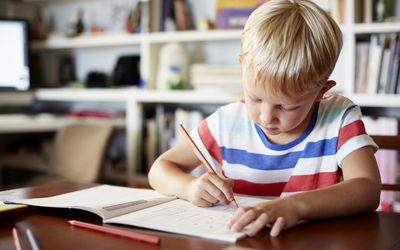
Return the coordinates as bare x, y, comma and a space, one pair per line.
286, 139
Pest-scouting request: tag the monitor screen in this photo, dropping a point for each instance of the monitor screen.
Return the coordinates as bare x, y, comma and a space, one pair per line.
14, 58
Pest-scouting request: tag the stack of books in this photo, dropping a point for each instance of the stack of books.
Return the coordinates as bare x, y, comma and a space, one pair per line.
377, 64
227, 77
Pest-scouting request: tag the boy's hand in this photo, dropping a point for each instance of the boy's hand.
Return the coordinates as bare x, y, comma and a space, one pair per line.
209, 189
280, 213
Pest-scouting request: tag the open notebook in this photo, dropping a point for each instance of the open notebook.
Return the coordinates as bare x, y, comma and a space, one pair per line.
149, 209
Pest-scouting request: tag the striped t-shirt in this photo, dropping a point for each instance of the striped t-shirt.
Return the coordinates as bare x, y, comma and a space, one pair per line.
237, 148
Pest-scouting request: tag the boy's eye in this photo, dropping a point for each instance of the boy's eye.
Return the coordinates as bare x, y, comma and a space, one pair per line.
257, 100
287, 108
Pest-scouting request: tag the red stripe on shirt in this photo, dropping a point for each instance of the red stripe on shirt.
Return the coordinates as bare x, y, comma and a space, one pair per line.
264, 189
299, 183
209, 141
349, 131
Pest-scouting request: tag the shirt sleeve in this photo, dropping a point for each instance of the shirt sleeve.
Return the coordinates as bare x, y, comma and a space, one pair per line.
352, 134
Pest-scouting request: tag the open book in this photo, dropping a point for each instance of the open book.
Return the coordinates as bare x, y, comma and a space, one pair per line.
149, 209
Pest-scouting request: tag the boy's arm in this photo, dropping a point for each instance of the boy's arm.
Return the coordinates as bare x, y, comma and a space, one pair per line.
359, 192
169, 174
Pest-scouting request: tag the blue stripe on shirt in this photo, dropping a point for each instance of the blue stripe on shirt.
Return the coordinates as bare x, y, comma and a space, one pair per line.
278, 162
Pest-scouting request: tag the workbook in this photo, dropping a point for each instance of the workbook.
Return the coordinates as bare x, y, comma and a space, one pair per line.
149, 209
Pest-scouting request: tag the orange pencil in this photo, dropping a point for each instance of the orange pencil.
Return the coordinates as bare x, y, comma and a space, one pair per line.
202, 158
17, 241
114, 231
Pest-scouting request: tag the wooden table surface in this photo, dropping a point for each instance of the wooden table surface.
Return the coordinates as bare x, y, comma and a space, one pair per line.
376, 230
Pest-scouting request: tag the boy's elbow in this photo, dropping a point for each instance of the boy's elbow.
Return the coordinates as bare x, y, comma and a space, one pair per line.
152, 175
375, 194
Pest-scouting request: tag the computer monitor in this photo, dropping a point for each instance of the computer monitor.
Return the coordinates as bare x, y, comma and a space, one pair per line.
14, 55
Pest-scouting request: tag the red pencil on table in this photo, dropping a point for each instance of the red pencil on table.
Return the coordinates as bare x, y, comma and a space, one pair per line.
114, 231
202, 158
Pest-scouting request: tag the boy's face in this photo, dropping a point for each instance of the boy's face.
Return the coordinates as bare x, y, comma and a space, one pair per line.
279, 115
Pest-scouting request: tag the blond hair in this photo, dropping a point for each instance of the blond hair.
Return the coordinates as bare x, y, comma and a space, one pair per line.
292, 45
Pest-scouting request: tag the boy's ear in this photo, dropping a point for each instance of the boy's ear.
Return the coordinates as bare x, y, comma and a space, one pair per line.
327, 86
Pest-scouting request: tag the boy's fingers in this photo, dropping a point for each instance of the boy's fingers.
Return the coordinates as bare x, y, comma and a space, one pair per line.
238, 213
224, 185
208, 197
244, 220
258, 224
204, 203
277, 227
213, 190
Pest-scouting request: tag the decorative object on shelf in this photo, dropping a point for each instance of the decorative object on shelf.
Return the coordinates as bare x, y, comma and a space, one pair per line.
368, 11
126, 71
133, 23
205, 24
172, 67
66, 70
96, 79
77, 26
37, 28
383, 10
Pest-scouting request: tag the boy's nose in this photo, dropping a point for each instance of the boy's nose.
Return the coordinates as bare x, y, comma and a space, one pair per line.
266, 117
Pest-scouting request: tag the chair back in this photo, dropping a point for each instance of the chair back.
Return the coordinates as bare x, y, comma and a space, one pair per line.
388, 142
79, 151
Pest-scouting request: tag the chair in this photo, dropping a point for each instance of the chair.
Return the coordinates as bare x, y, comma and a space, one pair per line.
79, 152
388, 142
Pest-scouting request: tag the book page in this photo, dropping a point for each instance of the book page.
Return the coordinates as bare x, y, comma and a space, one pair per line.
182, 217
106, 201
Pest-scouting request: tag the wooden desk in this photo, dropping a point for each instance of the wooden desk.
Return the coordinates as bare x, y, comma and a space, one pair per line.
366, 231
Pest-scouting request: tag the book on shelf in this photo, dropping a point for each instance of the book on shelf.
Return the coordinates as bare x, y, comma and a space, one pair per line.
338, 10
144, 16
374, 63
216, 76
170, 15
361, 66
377, 64
233, 14
376, 10
190, 119
367, 11
150, 143
385, 64
167, 125
395, 65
155, 19
147, 208
162, 132
183, 15
358, 11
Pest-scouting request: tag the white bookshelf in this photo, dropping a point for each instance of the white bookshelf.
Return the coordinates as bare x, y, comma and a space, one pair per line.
378, 101
12, 98
87, 41
22, 123
367, 28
